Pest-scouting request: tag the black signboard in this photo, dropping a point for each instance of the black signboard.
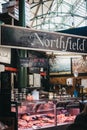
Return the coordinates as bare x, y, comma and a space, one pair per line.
24, 62
34, 62
38, 62
24, 38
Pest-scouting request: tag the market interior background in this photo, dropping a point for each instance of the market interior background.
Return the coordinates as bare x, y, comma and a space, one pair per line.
57, 71
51, 15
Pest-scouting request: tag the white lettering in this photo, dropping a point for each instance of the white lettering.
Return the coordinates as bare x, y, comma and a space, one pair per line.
81, 47
62, 43
68, 42
74, 46
39, 39
78, 43
53, 42
57, 43
47, 43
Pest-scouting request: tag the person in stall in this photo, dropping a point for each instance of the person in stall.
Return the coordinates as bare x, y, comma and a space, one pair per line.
80, 122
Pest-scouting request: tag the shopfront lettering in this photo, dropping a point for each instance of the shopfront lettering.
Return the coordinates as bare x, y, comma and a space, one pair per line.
63, 43
40, 40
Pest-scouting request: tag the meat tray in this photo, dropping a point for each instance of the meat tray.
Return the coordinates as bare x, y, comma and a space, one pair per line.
43, 114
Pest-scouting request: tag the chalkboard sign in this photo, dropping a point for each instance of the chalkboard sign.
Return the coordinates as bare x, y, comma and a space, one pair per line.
24, 62
38, 62
34, 70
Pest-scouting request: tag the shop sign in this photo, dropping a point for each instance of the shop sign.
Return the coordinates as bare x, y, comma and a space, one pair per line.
25, 38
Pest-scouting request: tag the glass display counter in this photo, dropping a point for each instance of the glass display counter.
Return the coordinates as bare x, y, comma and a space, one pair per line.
43, 114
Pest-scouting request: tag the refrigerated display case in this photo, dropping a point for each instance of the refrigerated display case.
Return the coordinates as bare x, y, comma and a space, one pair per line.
46, 114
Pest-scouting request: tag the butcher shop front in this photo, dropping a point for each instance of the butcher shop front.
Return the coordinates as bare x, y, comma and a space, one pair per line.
43, 86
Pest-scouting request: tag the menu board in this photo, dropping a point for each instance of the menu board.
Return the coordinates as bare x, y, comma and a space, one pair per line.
34, 64
38, 62
24, 62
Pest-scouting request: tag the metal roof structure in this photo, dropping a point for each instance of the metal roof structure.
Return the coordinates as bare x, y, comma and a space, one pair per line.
55, 15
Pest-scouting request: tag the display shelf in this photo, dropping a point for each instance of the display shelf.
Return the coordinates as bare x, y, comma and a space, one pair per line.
43, 114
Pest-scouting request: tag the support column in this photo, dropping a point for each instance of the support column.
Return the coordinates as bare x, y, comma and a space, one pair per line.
22, 74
